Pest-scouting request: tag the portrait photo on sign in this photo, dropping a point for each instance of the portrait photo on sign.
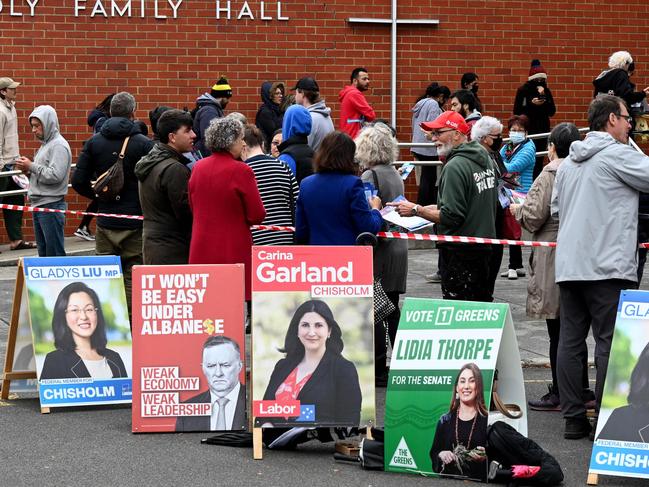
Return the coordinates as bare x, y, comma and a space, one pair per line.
318, 351
458, 448
221, 363
81, 330
624, 414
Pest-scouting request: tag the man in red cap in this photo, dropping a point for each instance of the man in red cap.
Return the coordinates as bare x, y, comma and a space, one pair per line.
466, 206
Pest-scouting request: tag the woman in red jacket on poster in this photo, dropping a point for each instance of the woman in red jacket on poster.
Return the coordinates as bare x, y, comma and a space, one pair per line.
225, 201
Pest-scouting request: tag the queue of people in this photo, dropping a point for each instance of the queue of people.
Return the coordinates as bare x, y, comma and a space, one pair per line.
198, 207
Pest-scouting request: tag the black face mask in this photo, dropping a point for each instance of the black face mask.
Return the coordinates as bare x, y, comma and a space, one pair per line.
474, 89
496, 144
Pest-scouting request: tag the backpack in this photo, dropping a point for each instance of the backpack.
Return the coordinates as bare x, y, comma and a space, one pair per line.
508, 447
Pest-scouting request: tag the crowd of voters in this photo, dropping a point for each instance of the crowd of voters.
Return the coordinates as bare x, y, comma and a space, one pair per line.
203, 177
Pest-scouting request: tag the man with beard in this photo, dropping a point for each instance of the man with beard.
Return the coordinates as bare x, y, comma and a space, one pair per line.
466, 206
354, 109
534, 100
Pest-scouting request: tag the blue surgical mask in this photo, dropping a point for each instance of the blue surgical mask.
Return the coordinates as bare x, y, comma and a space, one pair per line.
516, 137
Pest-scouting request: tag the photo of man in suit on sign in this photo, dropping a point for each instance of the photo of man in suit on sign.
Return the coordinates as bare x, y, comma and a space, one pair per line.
221, 365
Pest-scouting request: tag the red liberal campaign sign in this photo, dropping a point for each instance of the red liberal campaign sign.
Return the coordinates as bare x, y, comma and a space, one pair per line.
188, 348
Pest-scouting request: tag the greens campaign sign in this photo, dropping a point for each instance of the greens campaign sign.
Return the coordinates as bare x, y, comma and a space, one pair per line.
621, 444
440, 386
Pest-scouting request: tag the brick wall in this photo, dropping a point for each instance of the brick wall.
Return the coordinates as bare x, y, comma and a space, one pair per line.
73, 62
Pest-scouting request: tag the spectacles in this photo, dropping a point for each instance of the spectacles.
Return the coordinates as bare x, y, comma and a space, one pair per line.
626, 117
76, 312
437, 133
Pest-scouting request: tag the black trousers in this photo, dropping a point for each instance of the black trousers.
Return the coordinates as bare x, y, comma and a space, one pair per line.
465, 272
554, 328
427, 194
585, 304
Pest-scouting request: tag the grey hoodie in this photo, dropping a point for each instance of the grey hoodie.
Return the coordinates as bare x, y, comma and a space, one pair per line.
321, 124
50, 171
425, 110
595, 198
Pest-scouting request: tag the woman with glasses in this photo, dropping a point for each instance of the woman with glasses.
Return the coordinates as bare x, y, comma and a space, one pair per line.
79, 330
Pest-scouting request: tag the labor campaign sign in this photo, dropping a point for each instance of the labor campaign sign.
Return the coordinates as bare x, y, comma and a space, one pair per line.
440, 385
312, 328
80, 328
621, 444
188, 348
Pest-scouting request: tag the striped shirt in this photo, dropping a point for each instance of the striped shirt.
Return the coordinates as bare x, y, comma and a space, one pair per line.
278, 189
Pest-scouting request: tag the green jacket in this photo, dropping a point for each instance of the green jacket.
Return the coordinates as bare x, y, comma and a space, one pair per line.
467, 193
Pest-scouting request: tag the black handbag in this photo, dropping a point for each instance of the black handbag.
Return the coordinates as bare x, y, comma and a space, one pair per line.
109, 184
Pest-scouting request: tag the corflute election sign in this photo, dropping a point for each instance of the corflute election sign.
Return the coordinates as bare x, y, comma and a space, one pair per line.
621, 444
188, 348
312, 348
439, 390
80, 326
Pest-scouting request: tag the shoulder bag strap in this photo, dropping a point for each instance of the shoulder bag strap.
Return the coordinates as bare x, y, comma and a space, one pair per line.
123, 151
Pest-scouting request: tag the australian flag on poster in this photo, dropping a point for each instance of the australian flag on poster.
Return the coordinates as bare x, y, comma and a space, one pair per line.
307, 413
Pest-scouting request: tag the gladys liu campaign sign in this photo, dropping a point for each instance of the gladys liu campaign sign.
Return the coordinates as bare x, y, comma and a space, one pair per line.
188, 348
312, 327
80, 327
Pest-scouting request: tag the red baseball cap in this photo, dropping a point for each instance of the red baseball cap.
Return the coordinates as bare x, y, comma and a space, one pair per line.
450, 119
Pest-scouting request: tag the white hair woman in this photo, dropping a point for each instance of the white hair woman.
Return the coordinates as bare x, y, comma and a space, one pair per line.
224, 199
617, 80
376, 150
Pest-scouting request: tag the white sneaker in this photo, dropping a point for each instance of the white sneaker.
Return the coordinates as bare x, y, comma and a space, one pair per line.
84, 234
433, 278
510, 274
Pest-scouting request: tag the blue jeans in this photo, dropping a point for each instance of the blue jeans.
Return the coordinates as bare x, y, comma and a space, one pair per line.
48, 228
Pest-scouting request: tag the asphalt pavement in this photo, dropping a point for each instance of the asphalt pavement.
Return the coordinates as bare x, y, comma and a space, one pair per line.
95, 446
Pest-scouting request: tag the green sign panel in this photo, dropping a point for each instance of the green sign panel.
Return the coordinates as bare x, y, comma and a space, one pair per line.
440, 383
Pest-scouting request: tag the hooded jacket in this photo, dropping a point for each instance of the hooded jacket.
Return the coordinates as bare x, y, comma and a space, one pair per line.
424, 110
616, 82
595, 197
8, 132
209, 108
98, 154
49, 173
164, 176
269, 117
467, 193
354, 110
294, 151
321, 124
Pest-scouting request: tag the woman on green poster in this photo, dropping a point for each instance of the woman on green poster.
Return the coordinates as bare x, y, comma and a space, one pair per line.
461, 434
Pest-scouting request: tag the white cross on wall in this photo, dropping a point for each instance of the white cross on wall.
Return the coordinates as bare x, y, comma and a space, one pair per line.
393, 21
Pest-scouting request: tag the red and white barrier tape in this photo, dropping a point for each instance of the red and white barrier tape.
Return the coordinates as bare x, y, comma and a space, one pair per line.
71, 212
470, 240
397, 235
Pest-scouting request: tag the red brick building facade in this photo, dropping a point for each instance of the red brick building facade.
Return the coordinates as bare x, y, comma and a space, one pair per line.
72, 53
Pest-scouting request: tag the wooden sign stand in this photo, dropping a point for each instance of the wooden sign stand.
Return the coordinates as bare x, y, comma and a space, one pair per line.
9, 374
592, 479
